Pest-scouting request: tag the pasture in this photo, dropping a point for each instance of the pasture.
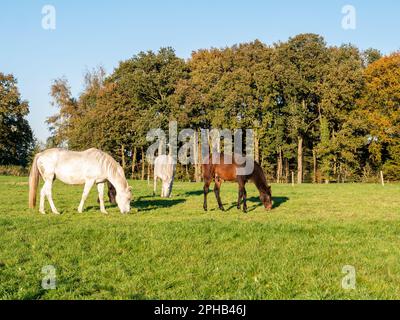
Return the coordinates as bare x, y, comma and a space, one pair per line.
172, 249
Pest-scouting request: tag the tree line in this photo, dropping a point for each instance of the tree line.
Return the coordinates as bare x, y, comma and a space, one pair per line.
325, 113
16, 137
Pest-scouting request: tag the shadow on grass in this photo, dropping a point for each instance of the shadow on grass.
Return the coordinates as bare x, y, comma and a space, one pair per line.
278, 201
193, 193
153, 203
149, 203
97, 208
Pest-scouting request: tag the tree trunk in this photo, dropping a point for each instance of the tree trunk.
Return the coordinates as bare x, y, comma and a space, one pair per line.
143, 164
148, 173
195, 157
315, 166
300, 160
256, 147
123, 164
199, 162
133, 162
334, 169
286, 170
280, 166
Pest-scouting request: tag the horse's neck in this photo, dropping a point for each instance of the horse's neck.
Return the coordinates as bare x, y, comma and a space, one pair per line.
118, 181
259, 179
259, 184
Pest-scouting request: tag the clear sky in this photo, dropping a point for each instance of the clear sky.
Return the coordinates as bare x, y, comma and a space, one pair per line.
97, 32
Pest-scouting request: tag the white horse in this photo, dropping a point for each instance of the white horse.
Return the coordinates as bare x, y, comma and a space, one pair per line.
164, 168
88, 167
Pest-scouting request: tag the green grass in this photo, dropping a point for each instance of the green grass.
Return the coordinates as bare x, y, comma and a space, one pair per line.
171, 249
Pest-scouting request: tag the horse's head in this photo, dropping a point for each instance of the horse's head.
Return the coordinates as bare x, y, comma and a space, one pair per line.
266, 198
123, 199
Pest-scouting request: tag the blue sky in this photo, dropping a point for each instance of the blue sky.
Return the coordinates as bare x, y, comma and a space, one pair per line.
91, 33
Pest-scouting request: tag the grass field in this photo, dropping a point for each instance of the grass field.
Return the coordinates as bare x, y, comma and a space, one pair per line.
171, 249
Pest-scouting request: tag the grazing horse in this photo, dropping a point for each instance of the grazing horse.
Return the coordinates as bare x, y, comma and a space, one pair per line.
88, 167
222, 171
164, 168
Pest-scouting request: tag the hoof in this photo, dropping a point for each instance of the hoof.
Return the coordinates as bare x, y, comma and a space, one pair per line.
42, 212
56, 213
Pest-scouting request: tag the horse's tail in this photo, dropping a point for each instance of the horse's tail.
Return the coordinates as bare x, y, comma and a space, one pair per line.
33, 183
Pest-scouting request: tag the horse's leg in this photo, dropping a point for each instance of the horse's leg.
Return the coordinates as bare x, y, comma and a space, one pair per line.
42, 200
47, 188
162, 189
155, 185
206, 188
217, 188
88, 185
100, 189
170, 188
240, 194
244, 199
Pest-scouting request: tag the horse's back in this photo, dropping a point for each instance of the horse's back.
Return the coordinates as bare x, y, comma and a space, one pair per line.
226, 166
72, 167
220, 166
164, 166
225, 171
163, 159
90, 156
91, 151
49, 157
59, 152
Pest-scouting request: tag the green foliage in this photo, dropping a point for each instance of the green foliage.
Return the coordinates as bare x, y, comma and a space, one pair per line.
62, 123
16, 171
391, 168
16, 138
380, 109
371, 55
321, 111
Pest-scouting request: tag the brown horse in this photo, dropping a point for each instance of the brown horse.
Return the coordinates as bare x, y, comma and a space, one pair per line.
111, 193
228, 172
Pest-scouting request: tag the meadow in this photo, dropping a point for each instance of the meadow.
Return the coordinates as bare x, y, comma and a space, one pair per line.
172, 249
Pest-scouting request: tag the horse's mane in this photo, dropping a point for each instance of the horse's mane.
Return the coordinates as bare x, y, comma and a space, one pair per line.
259, 178
109, 165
